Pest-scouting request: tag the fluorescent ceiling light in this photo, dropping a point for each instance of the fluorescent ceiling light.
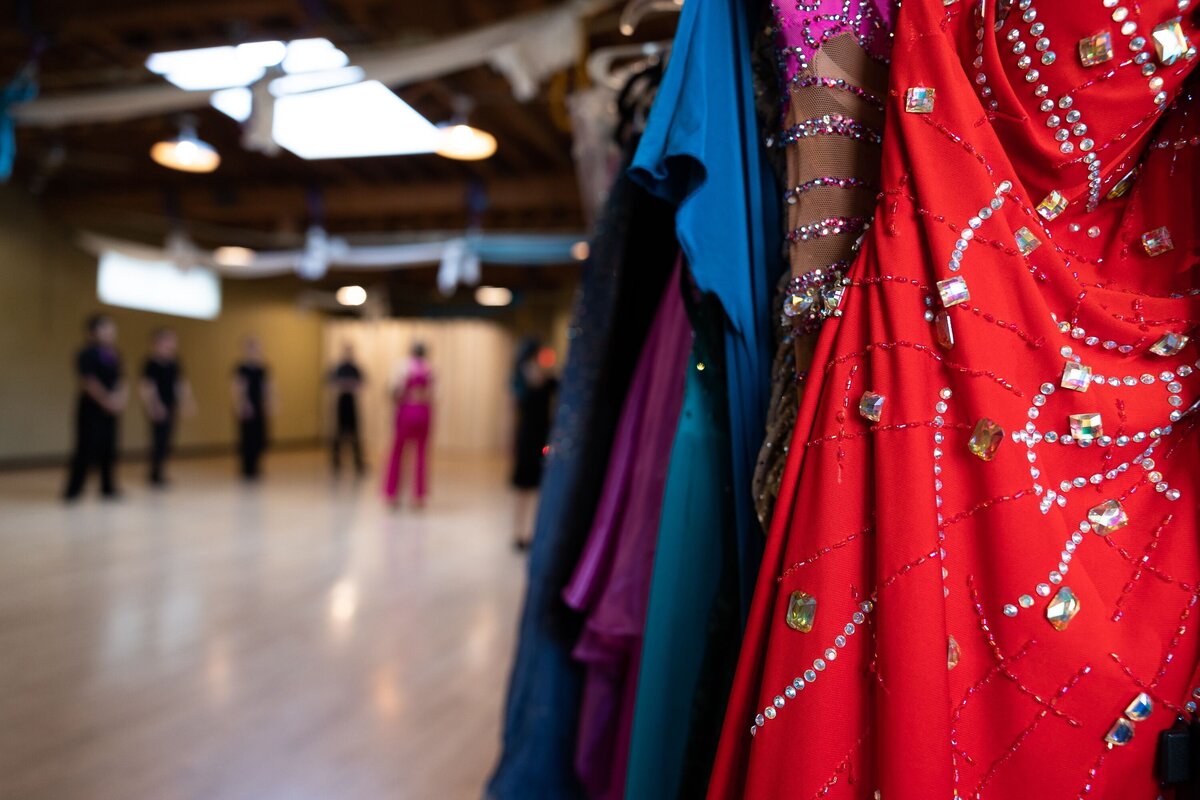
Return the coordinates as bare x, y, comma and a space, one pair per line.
363, 119
234, 103
158, 286
351, 295
494, 296
208, 68
310, 55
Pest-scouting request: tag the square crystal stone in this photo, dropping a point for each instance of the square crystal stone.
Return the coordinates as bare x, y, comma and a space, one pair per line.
919, 100
1107, 517
1122, 186
1139, 708
944, 329
1076, 377
1052, 205
801, 611
985, 439
871, 406
1062, 609
1157, 242
1026, 241
1121, 733
1086, 427
1170, 42
1095, 49
953, 291
1170, 344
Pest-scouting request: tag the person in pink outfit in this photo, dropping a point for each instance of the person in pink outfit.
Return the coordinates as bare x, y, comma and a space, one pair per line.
413, 395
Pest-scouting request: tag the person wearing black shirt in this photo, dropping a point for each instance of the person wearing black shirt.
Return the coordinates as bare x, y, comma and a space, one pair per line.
101, 399
163, 391
252, 401
346, 379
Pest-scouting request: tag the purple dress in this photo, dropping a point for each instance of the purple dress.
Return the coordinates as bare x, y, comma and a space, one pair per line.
611, 584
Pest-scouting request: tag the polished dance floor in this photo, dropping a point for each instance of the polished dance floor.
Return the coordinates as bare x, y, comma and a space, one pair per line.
293, 640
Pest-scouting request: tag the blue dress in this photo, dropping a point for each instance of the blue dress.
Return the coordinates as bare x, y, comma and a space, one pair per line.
703, 151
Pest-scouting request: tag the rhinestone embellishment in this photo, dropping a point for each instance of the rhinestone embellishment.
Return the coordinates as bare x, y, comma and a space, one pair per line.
1095, 49
1062, 609
985, 439
801, 612
953, 291
919, 100
1086, 427
1121, 733
1026, 241
871, 406
1170, 344
1157, 242
1107, 517
1076, 377
1170, 43
953, 653
1052, 205
1139, 708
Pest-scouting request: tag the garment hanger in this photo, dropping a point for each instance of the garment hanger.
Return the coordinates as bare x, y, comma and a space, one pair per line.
601, 62
636, 10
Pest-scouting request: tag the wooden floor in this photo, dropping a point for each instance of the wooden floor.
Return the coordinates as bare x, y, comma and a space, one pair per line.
285, 641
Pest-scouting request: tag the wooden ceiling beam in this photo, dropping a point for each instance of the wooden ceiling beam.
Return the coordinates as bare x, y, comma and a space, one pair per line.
261, 204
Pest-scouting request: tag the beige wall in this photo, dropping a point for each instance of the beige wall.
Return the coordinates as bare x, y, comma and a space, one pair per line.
47, 288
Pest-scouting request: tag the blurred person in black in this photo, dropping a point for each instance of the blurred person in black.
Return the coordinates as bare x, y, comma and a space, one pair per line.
346, 379
164, 392
534, 388
102, 397
252, 404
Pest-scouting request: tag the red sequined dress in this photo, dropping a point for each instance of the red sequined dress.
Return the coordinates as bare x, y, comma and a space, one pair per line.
982, 576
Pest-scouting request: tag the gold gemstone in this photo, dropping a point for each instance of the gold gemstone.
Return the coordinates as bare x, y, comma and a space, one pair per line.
1062, 609
801, 611
985, 439
1107, 517
871, 406
953, 653
1122, 186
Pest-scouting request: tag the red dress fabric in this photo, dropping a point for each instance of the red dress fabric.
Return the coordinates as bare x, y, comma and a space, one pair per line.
900, 532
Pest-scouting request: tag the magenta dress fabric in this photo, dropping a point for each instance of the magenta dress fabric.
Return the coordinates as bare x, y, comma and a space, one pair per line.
611, 584
804, 27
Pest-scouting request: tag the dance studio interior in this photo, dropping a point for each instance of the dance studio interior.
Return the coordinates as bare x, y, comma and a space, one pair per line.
599, 400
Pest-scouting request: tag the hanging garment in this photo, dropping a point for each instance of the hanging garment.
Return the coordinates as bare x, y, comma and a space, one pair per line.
980, 580
631, 257
611, 584
835, 82
692, 623
702, 151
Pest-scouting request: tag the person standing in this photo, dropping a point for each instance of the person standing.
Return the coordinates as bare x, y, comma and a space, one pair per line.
413, 396
252, 403
534, 388
346, 379
164, 391
102, 397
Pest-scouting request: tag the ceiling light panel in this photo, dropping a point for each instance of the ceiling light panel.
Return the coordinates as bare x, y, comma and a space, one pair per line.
363, 119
